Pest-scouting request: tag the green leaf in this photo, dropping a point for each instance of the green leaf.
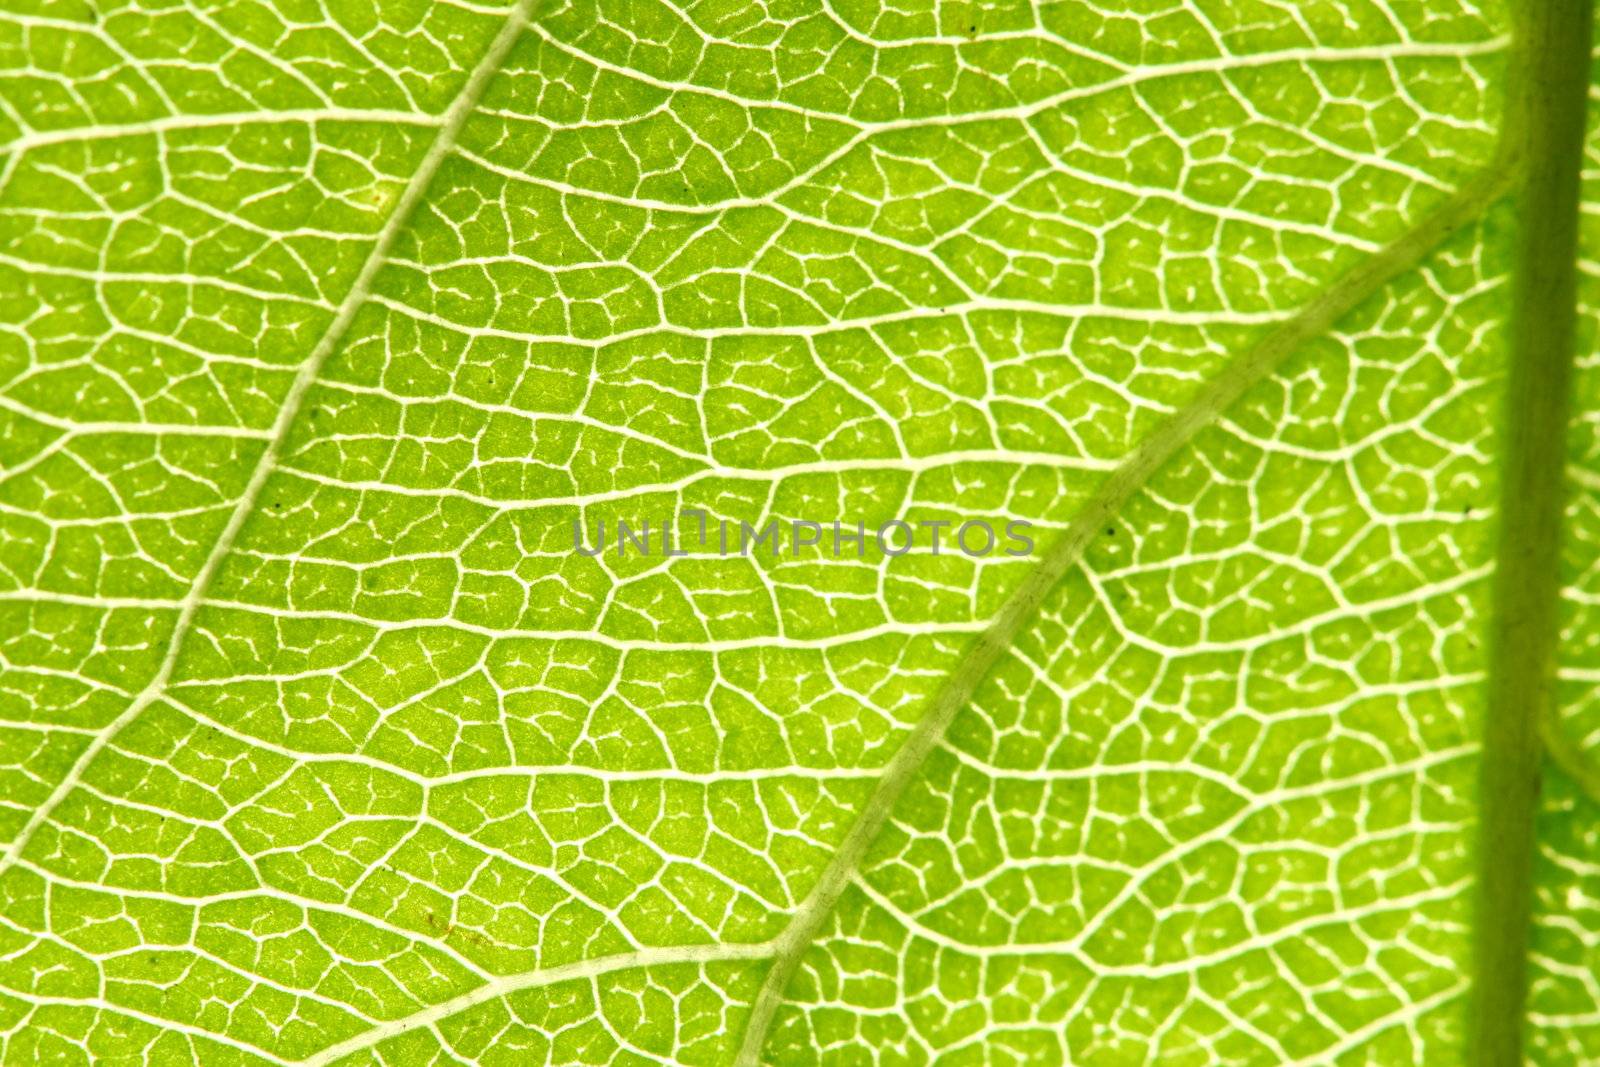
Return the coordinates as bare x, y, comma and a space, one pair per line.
322, 325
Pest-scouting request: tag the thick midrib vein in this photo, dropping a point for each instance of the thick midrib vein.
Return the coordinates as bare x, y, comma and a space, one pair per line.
416, 188
1315, 319
1546, 109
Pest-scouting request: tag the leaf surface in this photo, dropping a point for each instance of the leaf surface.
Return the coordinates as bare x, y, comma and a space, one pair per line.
320, 329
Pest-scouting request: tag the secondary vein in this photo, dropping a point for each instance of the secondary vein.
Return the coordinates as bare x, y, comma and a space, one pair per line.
455, 118
582, 970
1313, 320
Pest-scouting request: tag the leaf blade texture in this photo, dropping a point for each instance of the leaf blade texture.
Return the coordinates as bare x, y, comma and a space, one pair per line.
322, 327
